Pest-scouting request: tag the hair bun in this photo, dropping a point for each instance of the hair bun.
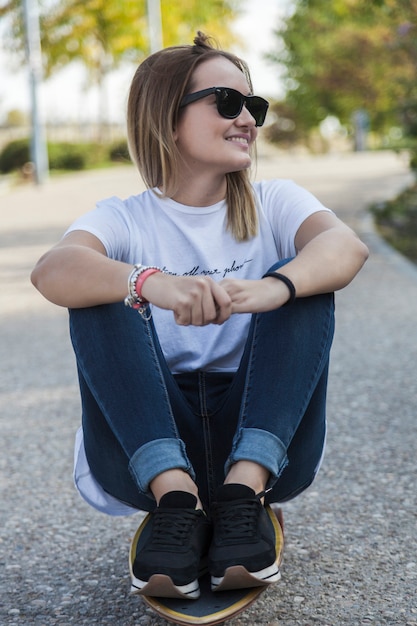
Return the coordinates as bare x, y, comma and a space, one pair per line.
202, 40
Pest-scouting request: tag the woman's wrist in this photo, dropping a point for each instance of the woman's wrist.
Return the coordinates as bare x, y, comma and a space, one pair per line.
141, 279
287, 282
135, 282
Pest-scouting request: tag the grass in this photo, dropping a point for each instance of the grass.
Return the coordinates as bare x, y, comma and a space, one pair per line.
396, 222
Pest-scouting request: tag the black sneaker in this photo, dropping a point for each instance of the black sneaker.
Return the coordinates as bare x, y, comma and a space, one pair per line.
243, 552
171, 549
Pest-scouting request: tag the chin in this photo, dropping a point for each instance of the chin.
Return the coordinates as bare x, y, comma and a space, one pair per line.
241, 167
241, 164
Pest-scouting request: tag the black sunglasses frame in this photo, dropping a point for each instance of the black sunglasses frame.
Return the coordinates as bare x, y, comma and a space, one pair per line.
256, 105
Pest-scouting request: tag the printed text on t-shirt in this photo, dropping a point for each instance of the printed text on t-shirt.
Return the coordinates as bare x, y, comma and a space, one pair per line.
197, 270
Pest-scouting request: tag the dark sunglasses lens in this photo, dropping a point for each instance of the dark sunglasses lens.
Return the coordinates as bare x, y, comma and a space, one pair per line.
229, 102
258, 108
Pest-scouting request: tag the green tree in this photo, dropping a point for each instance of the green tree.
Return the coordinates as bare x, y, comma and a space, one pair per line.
102, 34
11, 16
344, 55
15, 117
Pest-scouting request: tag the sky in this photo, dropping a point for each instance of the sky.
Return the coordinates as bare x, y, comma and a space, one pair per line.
65, 97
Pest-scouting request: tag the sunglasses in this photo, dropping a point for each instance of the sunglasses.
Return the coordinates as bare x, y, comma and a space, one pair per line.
230, 103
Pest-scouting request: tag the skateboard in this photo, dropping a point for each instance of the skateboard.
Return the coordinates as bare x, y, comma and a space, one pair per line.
210, 608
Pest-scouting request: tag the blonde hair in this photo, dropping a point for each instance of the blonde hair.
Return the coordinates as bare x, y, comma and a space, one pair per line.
159, 84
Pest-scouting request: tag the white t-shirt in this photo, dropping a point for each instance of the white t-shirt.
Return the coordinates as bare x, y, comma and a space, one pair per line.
188, 240
193, 241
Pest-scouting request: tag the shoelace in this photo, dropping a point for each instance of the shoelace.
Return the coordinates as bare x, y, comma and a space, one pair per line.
172, 528
237, 521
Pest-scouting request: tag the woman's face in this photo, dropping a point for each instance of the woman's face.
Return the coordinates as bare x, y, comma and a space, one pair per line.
208, 142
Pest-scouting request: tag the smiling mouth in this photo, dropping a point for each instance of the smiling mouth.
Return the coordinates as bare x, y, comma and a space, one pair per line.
242, 140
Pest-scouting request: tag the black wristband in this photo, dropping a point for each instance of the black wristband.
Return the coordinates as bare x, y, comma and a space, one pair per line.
287, 281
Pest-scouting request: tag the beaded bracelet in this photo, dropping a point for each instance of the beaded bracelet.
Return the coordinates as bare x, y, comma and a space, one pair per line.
141, 277
134, 297
288, 282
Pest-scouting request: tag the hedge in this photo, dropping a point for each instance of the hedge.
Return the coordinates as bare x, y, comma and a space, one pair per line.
14, 155
64, 155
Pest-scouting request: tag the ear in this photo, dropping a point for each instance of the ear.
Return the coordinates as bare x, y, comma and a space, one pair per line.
175, 123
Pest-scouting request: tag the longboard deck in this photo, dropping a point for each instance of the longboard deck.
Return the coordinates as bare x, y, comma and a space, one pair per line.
210, 608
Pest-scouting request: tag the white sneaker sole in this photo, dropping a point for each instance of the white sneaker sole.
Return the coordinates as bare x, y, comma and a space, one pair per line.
162, 586
238, 577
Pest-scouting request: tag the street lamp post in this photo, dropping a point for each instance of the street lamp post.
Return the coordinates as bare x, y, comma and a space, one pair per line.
39, 153
154, 25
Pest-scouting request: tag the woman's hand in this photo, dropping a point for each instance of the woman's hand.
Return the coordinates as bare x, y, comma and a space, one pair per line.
256, 296
196, 301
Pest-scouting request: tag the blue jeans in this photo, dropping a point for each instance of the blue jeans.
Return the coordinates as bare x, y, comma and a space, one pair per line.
140, 420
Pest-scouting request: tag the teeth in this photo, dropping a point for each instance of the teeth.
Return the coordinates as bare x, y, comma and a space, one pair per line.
238, 139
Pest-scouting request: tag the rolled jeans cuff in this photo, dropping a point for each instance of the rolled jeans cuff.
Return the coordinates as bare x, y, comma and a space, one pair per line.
156, 457
262, 447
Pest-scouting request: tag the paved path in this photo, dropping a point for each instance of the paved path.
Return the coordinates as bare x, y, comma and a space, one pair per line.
351, 556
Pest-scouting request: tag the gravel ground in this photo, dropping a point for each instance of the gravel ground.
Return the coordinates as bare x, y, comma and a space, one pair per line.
350, 555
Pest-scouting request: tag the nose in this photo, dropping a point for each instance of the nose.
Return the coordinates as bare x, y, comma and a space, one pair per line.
245, 118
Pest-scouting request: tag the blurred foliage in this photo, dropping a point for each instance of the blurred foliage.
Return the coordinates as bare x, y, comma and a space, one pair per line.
340, 56
64, 155
288, 127
15, 118
103, 33
14, 155
397, 222
119, 152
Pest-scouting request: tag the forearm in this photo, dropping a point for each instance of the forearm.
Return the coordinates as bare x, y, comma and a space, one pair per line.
76, 276
327, 263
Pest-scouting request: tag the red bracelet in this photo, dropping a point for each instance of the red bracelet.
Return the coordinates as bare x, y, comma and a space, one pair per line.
141, 279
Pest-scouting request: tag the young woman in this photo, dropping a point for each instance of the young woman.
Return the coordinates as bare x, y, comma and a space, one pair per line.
210, 402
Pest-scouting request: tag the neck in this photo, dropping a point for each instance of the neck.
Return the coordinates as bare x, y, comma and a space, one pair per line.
200, 192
